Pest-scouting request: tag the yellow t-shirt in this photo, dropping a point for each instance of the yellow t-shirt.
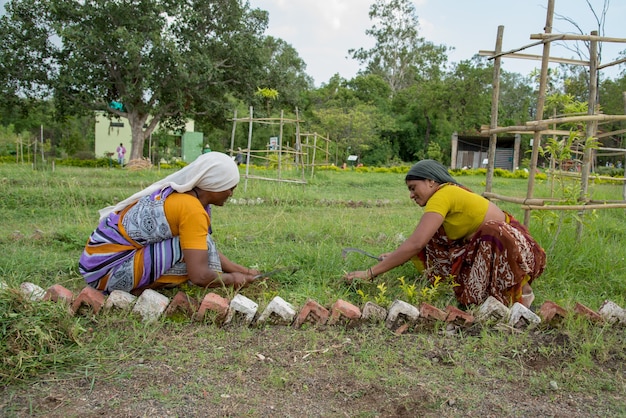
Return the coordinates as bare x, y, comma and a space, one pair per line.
463, 211
188, 220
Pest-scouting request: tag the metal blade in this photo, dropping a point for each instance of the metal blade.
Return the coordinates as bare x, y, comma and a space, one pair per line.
345, 252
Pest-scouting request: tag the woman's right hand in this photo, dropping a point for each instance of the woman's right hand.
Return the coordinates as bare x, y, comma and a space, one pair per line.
236, 280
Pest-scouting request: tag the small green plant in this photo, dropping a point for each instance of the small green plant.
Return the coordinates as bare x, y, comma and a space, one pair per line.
409, 290
440, 288
364, 296
381, 298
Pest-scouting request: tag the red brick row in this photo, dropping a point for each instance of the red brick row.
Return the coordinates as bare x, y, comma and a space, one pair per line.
92, 300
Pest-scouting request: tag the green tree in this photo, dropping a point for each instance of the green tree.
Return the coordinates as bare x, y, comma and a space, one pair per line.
156, 61
284, 71
400, 55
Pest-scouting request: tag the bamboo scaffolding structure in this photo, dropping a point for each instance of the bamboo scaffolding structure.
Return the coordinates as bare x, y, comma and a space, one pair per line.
541, 127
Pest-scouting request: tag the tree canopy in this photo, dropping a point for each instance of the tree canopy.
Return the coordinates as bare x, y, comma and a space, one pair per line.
163, 60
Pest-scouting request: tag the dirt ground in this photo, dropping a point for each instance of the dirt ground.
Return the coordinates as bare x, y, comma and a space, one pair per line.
282, 372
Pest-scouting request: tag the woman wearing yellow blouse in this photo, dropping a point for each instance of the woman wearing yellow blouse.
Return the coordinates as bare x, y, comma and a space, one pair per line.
462, 234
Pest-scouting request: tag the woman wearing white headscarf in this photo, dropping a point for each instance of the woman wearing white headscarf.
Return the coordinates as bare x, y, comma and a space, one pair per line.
161, 236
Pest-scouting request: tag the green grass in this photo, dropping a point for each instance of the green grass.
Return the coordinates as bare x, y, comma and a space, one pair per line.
48, 215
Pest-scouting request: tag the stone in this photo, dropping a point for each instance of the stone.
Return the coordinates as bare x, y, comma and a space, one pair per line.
522, 316
279, 311
612, 312
373, 313
88, 297
401, 311
241, 305
121, 300
493, 309
214, 303
342, 309
150, 305
312, 311
58, 293
32, 291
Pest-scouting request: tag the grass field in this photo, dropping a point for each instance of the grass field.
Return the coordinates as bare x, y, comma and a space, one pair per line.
48, 215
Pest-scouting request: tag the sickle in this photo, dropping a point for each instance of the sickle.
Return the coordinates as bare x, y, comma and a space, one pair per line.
345, 252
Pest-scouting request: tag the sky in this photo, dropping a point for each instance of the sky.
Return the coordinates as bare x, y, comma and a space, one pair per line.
322, 31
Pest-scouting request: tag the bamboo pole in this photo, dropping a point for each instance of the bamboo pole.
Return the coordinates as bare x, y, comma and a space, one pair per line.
573, 37
585, 118
540, 105
592, 126
518, 200
232, 135
495, 97
575, 207
245, 187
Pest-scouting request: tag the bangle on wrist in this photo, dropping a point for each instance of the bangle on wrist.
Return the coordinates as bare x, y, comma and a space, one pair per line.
370, 273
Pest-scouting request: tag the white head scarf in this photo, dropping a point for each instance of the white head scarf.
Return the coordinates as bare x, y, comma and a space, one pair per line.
213, 172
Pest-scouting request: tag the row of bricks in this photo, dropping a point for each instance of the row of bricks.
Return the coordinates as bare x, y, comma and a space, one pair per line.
151, 305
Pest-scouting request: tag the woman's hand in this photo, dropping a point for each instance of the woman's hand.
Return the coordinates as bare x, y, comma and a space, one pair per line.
252, 272
237, 280
359, 274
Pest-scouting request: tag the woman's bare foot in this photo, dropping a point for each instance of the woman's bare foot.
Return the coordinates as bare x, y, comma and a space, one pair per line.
527, 295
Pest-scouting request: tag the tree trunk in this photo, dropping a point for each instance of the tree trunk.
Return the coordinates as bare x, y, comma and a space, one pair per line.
139, 135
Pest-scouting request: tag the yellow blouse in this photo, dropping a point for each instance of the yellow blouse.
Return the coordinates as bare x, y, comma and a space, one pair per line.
463, 211
187, 219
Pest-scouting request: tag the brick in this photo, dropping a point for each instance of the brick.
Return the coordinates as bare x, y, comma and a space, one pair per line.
88, 297
587, 312
182, 303
32, 291
343, 309
279, 311
150, 305
312, 311
428, 311
458, 316
241, 305
373, 312
215, 303
493, 309
521, 316
56, 293
550, 311
121, 300
401, 311
402, 328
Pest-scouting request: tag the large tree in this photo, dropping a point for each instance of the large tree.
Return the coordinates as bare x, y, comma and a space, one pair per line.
400, 55
150, 61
